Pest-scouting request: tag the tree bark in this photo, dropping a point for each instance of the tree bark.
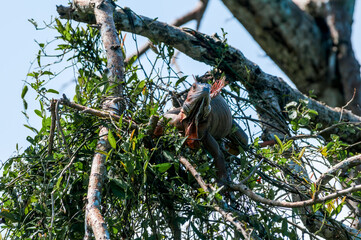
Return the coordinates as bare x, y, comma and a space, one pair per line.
313, 47
103, 12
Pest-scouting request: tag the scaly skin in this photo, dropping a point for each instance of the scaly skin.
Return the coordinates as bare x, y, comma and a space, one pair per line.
205, 120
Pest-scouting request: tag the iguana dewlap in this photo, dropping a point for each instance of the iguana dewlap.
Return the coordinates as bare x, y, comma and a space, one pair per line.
205, 117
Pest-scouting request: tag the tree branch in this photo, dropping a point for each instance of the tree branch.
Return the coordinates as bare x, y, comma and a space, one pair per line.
195, 14
340, 17
245, 190
98, 113
103, 12
340, 167
227, 216
327, 233
288, 35
206, 49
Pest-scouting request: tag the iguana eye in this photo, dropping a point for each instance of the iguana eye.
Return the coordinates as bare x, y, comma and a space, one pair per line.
194, 86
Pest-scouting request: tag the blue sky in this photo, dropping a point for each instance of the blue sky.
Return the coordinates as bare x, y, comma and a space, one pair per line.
18, 49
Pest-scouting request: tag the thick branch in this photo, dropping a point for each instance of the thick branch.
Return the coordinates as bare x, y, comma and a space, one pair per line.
93, 216
348, 68
288, 35
206, 49
103, 11
195, 14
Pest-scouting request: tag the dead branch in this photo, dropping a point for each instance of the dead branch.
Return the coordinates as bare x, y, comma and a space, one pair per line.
98, 113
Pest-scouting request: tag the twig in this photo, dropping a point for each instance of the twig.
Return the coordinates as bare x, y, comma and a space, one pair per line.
60, 129
253, 171
95, 112
342, 166
348, 103
336, 125
52, 127
245, 190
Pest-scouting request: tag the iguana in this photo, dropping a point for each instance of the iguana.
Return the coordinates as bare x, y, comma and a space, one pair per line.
204, 118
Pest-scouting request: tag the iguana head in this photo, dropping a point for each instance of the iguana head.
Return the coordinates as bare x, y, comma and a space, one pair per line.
197, 105
196, 109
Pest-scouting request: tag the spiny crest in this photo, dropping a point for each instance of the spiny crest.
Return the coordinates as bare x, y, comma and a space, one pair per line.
217, 87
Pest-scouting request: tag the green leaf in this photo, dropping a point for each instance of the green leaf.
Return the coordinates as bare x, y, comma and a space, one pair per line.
38, 112
313, 188
25, 90
278, 141
292, 114
304, 121
168, 155
47, 73
316, 207
9, 216
58, 182
271, 194
199, 234
31, 128
111, 139
284, 227
180, 80
141, 84
313, 112
163, 167
25, 103
53, 91
120, 124
291, 104
132, 60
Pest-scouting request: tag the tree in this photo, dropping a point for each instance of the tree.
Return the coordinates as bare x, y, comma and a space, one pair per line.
142, 186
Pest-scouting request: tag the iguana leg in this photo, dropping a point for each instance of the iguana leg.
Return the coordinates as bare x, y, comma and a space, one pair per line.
238, 138
174, 117
211, 145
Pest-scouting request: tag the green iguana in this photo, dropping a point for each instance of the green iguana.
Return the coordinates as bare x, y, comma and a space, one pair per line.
205, 117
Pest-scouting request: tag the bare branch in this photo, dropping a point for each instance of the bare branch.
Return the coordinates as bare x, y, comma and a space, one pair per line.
245, 190
103, 11
99, 113
195, 14
52, 126
340, 167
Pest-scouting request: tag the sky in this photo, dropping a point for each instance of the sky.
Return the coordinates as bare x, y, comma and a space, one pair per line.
18, 49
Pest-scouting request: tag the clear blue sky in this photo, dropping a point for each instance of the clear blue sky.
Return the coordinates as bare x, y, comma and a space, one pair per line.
18, 49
